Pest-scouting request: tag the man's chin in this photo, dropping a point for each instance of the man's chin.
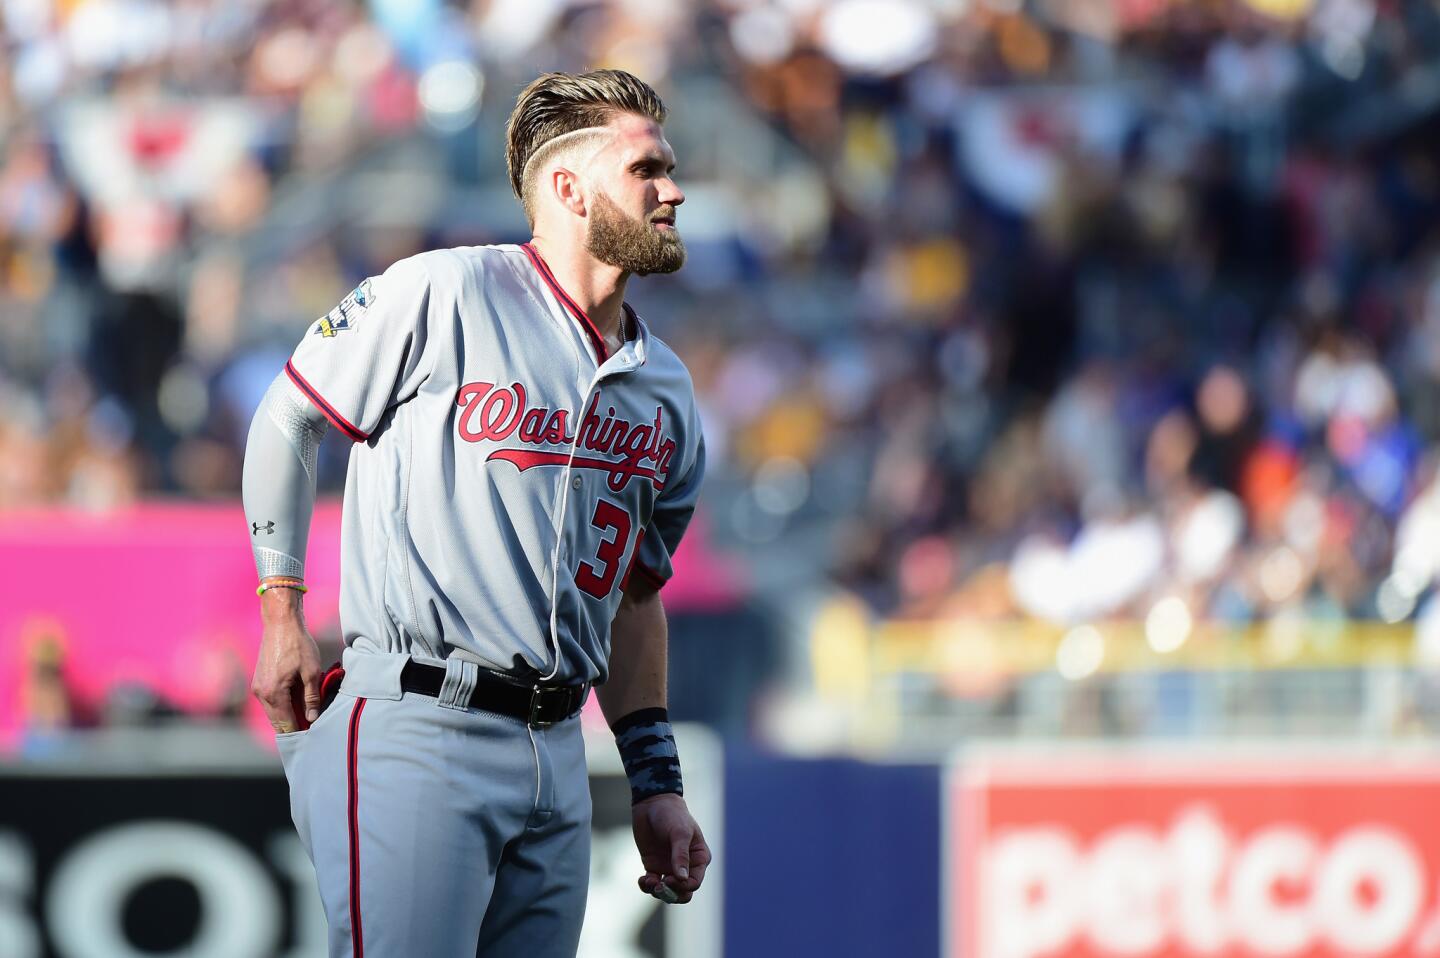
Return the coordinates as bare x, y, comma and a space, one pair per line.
670, 264
675, 252
646, 265
662, 269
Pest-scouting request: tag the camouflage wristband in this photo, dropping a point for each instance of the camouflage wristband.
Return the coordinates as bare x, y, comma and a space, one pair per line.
647, 750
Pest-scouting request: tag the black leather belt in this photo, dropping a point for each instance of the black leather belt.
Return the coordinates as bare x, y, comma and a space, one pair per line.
536, 705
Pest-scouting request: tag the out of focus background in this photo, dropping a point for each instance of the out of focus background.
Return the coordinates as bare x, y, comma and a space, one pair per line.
1064, 582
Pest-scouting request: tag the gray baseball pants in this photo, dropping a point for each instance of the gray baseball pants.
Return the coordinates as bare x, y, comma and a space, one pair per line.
436, 829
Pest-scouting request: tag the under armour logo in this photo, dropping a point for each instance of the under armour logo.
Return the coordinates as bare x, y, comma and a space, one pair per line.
268, 528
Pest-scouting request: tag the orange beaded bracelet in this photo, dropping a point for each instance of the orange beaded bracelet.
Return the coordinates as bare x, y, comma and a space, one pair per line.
296, 584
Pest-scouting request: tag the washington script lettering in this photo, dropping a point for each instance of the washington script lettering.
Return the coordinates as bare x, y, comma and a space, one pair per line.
496, 415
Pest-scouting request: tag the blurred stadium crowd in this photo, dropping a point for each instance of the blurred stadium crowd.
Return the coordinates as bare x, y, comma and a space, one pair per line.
996, 308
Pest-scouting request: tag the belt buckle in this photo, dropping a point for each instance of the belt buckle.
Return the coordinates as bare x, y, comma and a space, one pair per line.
534, 720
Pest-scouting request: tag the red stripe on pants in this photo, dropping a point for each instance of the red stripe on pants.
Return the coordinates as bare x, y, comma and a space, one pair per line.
357, 937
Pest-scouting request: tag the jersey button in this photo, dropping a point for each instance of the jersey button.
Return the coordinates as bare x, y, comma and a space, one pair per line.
575, 483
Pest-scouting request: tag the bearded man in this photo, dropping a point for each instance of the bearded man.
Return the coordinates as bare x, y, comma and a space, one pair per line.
526, 458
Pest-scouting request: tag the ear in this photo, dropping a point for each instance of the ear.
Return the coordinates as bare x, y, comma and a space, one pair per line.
568, 190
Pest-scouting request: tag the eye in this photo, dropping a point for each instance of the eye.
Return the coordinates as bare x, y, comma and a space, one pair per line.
647, 169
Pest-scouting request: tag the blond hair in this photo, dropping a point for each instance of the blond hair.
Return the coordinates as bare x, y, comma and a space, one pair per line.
557, 104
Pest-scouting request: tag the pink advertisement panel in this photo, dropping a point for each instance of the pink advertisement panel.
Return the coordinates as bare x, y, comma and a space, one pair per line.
163, 596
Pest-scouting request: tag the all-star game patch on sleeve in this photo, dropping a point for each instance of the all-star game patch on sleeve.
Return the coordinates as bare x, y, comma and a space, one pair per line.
369, 352
655, 551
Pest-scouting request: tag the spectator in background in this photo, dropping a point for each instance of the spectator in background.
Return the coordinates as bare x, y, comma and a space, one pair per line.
46, 704
1007, 313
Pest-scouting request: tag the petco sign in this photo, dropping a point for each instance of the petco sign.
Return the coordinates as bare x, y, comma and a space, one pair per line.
1219, 856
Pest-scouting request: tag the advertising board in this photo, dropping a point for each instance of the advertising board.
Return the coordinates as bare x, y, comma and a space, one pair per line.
117, 860
1214, 853
194, 654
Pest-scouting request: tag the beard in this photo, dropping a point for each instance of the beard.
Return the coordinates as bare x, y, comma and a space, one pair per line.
632, 244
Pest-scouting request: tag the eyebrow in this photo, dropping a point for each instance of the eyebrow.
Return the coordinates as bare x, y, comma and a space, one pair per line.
654, 159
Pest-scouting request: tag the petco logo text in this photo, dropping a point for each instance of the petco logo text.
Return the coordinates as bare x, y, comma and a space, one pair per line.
1145, 860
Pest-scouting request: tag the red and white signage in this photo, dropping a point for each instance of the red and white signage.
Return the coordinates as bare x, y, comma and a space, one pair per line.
1193, 855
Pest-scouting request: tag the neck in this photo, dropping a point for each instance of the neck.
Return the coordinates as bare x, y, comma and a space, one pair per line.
597, 288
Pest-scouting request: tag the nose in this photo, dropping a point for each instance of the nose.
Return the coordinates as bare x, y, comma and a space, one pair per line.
670, 192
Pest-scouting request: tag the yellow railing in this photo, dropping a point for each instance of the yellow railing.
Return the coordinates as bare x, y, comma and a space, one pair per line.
1126, 647
849, 652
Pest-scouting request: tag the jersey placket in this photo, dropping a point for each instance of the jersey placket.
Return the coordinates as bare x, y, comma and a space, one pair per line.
630, 356
622, 362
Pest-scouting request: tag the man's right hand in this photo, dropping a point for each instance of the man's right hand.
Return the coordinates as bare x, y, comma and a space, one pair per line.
287, 672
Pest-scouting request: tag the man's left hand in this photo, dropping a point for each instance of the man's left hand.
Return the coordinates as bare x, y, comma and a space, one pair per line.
672, 848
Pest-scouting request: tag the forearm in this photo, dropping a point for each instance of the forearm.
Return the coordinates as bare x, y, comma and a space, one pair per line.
633, 697
278, 487
278, 484
638, 645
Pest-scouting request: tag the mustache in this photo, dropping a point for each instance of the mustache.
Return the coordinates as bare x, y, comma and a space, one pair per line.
664, 213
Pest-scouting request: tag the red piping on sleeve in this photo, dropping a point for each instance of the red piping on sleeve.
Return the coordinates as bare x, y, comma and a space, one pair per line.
329, 412
655, 578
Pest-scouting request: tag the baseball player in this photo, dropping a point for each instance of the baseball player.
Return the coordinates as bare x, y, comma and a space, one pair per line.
526, 458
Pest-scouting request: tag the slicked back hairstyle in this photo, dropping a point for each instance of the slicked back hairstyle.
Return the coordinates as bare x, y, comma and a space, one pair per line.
558, 103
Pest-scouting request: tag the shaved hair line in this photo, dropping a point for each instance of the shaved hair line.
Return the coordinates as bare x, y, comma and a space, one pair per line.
552, 150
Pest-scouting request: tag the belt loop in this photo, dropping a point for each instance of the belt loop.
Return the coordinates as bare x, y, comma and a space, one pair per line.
459, 683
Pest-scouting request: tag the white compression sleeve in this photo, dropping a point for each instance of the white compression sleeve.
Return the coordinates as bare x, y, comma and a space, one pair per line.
278, 482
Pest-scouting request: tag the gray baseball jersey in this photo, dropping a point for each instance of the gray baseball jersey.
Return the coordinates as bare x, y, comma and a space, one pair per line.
509, 474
